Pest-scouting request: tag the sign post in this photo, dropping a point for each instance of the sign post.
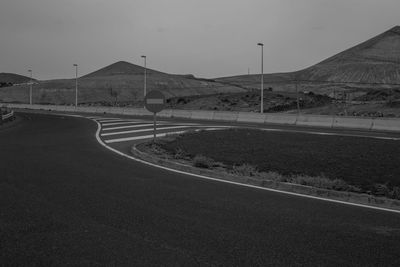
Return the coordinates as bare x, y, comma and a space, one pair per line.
154, 102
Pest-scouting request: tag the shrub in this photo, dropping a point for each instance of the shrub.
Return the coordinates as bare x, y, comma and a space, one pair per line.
244, 170
180, 153
395, 193
202, 161
156, 148
273, 176
387, 191
188, 132
322, 182
381, 190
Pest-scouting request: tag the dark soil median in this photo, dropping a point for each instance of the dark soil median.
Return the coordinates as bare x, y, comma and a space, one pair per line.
354, 163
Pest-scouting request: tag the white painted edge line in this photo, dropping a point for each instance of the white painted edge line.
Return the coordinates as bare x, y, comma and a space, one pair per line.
235, 183
144, 130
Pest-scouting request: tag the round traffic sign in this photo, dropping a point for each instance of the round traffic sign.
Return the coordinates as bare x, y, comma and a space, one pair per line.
154, 101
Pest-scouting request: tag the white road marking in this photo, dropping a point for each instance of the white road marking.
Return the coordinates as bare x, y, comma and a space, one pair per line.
216, 126
97, 135
109, 120
102, 118
120, 123
151, 136
144, 130
140, 137
143, 125
125, 127
118, 120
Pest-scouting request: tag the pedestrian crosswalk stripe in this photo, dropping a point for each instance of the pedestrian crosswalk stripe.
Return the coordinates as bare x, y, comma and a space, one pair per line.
140, 137
104, 118
99, 118
143, 125
118, 140
125, 127
120, 123
143, 130
118, 120
109, 120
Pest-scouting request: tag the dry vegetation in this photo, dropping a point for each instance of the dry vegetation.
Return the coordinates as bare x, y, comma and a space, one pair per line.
331, 162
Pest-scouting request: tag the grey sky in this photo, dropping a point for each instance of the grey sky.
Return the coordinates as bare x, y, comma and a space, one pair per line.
208, 38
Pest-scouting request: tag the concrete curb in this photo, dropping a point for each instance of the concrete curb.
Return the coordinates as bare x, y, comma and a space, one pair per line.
350, 197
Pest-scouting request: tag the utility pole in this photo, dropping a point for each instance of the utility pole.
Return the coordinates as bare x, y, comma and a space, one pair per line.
30, 87
76, 85
145, 78
262, 77
297, 96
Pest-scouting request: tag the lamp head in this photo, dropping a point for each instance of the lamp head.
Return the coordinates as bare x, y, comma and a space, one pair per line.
260, 44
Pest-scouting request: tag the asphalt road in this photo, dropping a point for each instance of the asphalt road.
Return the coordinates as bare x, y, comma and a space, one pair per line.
67, 201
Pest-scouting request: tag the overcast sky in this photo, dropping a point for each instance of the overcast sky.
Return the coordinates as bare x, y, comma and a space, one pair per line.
207, 38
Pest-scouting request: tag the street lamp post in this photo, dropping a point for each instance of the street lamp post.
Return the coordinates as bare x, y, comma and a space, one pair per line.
262, 77
145, 74
76, 84
30, 87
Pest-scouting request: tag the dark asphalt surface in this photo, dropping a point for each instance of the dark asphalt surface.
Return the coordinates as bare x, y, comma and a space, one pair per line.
67, 201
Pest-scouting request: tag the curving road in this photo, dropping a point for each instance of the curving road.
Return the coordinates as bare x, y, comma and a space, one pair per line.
67, 201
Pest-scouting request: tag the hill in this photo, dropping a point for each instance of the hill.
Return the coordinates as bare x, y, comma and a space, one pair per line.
368, 74
369, 65
120, 83
13, 78
376, 61
121, 68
